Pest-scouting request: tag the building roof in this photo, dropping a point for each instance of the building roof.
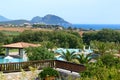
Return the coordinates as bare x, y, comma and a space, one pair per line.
20, 45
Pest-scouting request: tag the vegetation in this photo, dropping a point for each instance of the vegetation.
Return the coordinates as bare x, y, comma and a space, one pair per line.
4, 38
2, 50
39, 53
105, 42
57, 38
48, 72
98, 71
84, 59
100, 47
107, 66
110, 61
105, 35
46, 26
68, 56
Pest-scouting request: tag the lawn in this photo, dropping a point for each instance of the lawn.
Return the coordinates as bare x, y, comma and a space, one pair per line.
10, 33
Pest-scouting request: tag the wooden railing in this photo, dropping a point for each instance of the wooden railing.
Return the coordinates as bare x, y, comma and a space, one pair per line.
14, 67
69, 66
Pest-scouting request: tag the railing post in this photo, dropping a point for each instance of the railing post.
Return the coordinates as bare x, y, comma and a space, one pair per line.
55, 62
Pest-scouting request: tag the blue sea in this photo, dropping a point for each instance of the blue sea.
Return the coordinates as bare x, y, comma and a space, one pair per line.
97, 26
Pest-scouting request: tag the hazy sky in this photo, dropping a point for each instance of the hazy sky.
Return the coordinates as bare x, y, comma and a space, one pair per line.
74, 11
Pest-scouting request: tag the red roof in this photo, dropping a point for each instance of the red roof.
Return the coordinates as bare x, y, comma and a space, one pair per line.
20, 45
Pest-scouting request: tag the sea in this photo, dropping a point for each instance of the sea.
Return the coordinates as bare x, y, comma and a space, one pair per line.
97, 26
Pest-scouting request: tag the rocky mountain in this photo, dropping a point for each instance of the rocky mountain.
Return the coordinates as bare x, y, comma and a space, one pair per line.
36, 19
48, 19
2, 18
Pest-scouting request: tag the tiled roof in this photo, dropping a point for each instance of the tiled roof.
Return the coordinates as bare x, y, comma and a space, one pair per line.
20, 45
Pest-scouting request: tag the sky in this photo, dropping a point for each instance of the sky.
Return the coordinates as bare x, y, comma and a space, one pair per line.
73, 11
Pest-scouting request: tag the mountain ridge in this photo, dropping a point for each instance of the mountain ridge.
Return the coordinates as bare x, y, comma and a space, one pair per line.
47, 19
2, 18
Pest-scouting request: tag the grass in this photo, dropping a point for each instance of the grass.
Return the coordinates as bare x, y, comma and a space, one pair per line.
13, 50
10, 33
10, 50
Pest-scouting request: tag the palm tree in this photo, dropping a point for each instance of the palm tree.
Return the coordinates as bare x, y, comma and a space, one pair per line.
68, 56
100, 47
83, 59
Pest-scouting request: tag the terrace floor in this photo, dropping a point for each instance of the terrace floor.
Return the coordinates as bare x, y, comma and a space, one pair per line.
29, 75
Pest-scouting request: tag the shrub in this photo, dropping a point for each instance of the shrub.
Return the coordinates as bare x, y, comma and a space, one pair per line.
99, 71
39, 53
109, 60
47, 72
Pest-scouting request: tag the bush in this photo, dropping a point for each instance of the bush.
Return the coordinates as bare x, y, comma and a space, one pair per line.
47, 72
109, 60
99, 71
56, 38
39, 53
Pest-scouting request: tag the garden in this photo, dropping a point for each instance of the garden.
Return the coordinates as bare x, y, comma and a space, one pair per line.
105, 43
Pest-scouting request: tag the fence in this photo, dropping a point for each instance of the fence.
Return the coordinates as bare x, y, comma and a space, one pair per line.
15, 67
70, 66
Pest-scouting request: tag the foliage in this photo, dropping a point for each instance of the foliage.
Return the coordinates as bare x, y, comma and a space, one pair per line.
2, 76
1, 50
38, 53
88, 37
46, 26
117, 47
107, 66
100, 72
109, 60
4, 38
48, 44
33, 74
66, 40
48, 72
84, 59
99, 47
68, 56
74, 33
58, 38
23, 75
104, 35
108, 35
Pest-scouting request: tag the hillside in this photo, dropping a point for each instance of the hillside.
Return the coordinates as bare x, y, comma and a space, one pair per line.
2, 18
48, 19
15, 22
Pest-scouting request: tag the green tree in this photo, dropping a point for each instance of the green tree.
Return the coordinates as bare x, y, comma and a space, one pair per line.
99, 71
39, 53
4, 38
68, 56
88, 37
109, 60
104, 35
66, 40
48, 44
84, 59
99, 47
58, 38
2, 50
108, 35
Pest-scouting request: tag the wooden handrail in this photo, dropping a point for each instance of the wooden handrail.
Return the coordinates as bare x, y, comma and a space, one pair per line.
17, 66
69, 66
